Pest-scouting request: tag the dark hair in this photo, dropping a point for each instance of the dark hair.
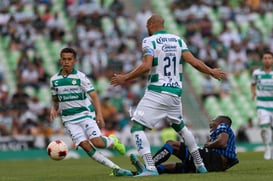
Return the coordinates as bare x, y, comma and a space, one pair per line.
69, 50
268, 52
225, 119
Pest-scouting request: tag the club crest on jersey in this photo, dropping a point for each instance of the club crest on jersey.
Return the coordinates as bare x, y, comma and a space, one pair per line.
74, 82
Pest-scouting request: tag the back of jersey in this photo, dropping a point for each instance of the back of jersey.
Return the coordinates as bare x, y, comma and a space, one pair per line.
166, 73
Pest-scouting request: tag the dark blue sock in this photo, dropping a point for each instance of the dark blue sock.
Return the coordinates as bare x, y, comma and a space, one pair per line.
169, 148
160, 168
163, 154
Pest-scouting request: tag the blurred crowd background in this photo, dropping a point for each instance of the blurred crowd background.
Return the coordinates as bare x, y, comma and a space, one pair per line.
107, 34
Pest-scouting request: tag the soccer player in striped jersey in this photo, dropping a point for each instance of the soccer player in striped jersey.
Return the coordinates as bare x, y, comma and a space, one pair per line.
70, 89
163, 55
262, 90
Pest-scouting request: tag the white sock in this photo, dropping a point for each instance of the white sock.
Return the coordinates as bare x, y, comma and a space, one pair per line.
192, 146
108, 141
271, 142
188, 139
100, 158
144, 149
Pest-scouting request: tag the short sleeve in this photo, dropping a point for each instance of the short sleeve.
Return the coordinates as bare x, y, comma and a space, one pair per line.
183, 45
53, 89
254, 77
147, 47
222, 128
87, 85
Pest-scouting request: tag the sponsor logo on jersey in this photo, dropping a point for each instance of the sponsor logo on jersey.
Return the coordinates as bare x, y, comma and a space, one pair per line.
169, 48
68, 97
162, 40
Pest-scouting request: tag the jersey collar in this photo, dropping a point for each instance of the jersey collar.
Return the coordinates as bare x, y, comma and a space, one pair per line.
160, 32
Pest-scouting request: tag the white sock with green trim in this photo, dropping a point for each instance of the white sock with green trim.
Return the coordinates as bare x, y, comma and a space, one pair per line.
108, 141
144, 149
100, 158
192, 146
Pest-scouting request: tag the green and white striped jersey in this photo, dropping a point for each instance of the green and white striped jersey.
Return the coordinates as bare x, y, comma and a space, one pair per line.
72, 95
165, 75
264, 89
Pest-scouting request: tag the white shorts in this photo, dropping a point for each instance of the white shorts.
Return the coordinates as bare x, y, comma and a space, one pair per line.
83, 130
265, 117
155, 107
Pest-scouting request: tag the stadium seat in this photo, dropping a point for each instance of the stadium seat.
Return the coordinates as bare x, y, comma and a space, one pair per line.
213, 107
107, 26
44, 95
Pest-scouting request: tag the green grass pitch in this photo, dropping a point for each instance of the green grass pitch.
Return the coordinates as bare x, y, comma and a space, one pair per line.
252, 166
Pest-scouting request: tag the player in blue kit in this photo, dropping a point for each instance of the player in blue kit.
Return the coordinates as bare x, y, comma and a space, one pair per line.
218, 153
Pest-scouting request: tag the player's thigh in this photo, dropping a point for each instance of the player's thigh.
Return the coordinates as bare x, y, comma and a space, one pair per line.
149, 111
211, 159
264, 117
174, 112
84, 130
76, 132
91, 129
182, 152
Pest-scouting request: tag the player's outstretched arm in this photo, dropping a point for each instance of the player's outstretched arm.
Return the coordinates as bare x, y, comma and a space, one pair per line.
96, 103
217, 73
221, 141
120, 79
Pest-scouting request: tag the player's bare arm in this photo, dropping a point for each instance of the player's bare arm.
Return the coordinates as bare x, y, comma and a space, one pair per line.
54, 111
96, 103
217, 73
253, 91
120, 79
220, 142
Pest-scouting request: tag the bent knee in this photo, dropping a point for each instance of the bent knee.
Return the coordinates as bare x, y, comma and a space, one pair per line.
98, 142
85, 145
171, 142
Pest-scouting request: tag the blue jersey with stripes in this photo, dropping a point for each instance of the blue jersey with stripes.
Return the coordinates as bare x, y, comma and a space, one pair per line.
230, 150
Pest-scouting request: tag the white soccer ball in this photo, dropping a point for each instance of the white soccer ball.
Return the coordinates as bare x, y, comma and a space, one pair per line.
57, 150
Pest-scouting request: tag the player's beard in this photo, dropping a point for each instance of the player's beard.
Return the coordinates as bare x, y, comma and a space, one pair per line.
149, 33
67, 70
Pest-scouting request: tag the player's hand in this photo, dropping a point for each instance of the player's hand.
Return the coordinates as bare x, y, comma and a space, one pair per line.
53, 114
100, 121
253, 96
218, 74
118, 79
207, 144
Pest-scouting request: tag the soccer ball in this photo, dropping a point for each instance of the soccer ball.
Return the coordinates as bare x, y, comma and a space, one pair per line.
57, 150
